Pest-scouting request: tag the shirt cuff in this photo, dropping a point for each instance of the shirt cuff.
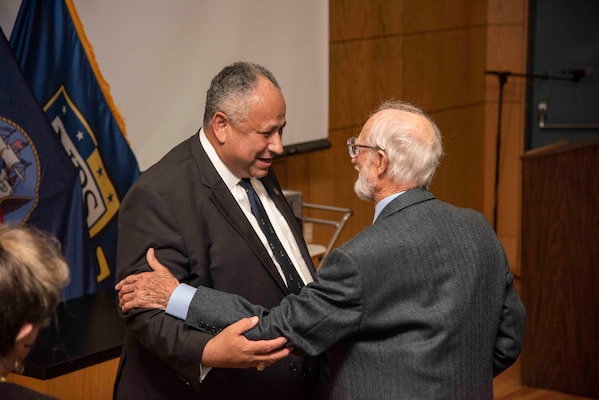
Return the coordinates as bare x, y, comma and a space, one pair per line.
178, 304
204, 372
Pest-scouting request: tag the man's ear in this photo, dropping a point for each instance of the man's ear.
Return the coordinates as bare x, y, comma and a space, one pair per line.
220, 126
383, 163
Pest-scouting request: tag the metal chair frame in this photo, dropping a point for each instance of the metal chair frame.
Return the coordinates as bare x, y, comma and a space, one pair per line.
338, 224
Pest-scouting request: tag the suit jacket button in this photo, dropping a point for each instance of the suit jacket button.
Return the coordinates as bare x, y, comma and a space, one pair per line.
292, 367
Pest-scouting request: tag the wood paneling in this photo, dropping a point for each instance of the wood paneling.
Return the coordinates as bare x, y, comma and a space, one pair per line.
460, 175
434, 15
502, 12
363, 73
506, 51
445, 69
359, 19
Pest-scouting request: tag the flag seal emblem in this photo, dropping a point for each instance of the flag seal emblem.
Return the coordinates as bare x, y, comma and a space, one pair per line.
19, 172
100, 198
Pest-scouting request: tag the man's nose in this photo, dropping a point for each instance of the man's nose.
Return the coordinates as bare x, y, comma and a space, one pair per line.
276, 144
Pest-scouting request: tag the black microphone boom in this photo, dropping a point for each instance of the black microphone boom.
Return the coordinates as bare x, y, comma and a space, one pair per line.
503, 75
578, 74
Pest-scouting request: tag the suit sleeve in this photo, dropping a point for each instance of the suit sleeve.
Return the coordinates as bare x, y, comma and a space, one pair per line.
325, 311
510, 335
145, 221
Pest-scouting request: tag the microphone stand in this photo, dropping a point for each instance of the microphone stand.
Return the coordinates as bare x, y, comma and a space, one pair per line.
503, 75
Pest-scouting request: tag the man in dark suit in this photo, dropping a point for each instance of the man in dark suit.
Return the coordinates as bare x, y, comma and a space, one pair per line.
190, 208
420, 305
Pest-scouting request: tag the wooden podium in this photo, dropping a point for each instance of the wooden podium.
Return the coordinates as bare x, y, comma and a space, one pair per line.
560, 268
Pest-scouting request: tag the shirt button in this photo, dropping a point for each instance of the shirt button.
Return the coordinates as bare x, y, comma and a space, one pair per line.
292, 367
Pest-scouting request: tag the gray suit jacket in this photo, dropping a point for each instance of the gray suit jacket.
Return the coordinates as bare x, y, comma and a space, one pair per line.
181, 207
418, 306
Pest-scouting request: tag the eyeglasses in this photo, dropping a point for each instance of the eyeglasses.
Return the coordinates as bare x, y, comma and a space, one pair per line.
354, 149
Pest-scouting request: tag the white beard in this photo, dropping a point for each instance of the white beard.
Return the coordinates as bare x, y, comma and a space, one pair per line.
363, 187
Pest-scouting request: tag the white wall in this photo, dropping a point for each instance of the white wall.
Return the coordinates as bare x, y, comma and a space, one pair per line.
159, 57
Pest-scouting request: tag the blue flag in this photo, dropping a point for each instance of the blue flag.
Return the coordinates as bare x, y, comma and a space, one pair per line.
38, 183
58, 62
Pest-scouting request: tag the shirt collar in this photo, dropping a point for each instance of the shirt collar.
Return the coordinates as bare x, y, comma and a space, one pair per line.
383, 203
225, 173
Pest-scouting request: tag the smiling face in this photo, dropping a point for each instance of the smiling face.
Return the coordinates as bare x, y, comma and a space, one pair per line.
247, 147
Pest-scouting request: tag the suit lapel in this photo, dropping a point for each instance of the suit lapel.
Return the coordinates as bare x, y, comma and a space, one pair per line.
228, 207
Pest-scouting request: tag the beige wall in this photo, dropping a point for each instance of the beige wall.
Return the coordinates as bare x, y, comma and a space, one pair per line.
432, 53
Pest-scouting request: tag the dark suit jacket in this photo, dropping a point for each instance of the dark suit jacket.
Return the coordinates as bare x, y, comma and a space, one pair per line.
181, 207
418, 306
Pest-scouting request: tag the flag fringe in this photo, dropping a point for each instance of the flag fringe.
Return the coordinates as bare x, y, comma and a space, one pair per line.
89, 51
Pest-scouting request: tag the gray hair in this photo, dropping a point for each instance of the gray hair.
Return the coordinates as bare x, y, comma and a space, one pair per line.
230, 89
413, 158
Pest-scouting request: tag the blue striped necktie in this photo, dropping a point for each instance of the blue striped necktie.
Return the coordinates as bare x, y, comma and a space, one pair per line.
294, 282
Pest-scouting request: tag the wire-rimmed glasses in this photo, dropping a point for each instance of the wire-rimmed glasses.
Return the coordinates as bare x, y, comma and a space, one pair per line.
354, 148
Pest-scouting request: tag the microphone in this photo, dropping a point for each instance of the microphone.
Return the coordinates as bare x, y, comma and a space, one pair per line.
578, 74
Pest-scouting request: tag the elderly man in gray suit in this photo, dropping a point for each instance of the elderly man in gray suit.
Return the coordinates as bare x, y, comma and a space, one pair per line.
420, 305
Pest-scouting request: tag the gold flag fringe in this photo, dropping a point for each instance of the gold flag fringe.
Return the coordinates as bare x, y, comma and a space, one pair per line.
89, 51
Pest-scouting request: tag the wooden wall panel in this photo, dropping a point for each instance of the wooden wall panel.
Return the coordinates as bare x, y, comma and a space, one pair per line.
359, 19
434, 15
459, 177
510, 182
513, 12
445, 70
363, 73
507, 50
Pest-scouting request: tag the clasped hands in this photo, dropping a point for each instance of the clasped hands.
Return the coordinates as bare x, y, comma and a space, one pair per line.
228, 349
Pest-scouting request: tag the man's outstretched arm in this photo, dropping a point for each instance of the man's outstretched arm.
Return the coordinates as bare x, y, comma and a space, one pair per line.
228, 349
324, 312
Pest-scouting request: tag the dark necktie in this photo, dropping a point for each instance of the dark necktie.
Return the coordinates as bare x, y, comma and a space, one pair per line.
294, 282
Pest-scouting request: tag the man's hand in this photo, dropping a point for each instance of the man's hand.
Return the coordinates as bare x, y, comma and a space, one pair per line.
230, 349
147, 289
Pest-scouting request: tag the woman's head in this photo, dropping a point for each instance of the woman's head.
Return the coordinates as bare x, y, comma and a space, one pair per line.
32, 272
